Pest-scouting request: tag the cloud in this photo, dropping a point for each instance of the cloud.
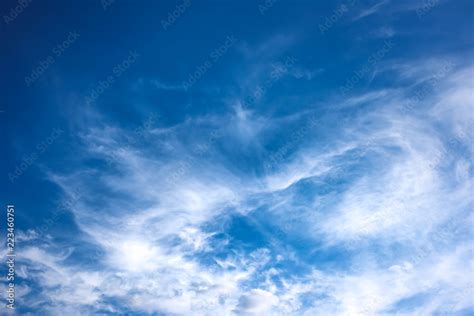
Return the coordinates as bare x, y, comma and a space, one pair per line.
370, 182
146, 83
165, 86
256, 302
384, 32
370, 11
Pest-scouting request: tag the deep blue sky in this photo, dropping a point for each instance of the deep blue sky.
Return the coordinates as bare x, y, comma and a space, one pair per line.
320, 163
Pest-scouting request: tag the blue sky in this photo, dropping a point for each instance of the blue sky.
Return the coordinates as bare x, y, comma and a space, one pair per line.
239, 157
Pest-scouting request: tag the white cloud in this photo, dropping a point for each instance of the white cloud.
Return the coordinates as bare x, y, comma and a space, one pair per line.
154, 207
257, 302
370, 11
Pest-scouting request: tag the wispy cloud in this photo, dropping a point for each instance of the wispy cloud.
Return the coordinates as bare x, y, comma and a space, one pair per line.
377, 188
370, 11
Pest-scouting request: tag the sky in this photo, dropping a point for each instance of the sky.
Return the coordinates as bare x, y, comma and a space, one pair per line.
226, 157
